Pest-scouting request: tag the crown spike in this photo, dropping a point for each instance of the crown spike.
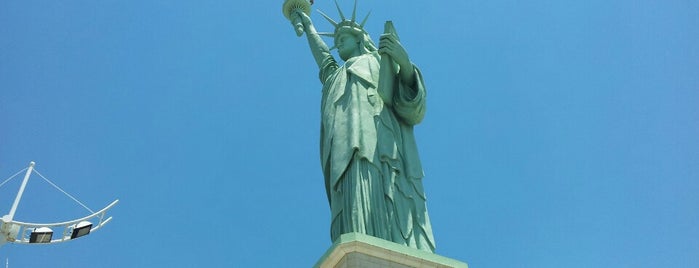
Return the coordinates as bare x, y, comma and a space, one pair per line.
339, 10
328, 18
326, 34
365, 18
354, 12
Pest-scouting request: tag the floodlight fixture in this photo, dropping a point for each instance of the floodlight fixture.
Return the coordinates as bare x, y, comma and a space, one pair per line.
80, 229
41, 235
12, 231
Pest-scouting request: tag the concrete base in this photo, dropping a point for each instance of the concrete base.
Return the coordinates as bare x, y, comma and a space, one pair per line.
360, 250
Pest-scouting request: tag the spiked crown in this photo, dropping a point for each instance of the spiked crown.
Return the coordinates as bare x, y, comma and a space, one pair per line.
350, 25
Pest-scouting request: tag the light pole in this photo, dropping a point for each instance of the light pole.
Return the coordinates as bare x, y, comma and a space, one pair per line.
12, 231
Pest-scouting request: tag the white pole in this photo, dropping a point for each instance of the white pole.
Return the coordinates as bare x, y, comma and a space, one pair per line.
21, 190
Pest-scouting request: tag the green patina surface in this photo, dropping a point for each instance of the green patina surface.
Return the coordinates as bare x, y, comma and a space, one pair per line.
370, 103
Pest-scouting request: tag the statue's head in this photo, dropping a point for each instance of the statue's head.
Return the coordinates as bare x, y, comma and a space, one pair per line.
352, 41
350, 37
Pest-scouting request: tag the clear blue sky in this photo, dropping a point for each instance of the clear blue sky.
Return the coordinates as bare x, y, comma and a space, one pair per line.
558, 133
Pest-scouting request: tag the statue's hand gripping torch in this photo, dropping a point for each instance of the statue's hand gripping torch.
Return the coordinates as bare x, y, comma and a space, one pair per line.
292, 6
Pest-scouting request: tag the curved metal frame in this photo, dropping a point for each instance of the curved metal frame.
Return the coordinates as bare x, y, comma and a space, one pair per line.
21, 230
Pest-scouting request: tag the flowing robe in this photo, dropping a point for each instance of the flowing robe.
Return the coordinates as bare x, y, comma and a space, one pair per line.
373, 175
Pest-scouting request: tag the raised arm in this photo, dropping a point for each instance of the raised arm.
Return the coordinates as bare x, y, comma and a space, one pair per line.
318, 47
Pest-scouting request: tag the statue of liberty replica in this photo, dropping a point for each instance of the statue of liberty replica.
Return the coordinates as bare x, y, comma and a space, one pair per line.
371, 100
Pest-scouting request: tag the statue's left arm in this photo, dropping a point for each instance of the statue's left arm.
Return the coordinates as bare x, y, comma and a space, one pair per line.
409, 97
389, 45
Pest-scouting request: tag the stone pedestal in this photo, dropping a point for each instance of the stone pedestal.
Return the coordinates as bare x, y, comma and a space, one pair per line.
360, 250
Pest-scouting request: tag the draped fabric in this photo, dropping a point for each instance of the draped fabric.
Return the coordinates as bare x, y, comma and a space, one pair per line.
373, 175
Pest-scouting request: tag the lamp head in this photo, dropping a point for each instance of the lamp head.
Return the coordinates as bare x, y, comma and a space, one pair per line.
41, 235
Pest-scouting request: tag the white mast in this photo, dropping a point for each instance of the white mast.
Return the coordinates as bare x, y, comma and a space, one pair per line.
21, 191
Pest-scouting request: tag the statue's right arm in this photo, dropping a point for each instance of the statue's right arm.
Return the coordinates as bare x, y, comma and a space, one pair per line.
318, 47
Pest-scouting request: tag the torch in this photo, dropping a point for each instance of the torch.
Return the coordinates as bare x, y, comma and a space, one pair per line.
291, 6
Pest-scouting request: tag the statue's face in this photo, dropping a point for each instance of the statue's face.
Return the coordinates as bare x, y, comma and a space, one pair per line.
347, 45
